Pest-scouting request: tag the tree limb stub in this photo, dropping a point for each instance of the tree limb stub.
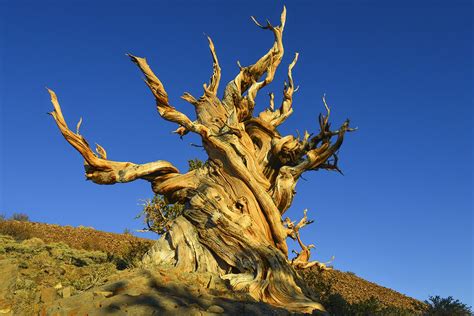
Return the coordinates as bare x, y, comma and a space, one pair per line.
216, 75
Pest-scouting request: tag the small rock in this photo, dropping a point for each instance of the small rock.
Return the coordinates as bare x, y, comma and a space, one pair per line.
66, 292
23, 265
48, 294
194, 312
134, 292
58, 286
215, 309
98, 300
104, 293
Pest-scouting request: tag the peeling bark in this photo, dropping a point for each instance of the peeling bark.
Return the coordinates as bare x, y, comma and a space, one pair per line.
232, 221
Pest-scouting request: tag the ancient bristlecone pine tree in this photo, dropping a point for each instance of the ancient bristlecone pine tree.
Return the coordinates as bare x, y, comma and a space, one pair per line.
232, 223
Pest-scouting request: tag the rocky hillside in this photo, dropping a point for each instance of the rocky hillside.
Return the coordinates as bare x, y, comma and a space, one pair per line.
81, 237
50, 269
344, 293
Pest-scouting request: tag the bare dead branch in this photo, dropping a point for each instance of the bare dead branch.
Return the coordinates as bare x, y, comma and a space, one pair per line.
301, 261
277, 117
302, 258
287, 149
331, 165
319, 149
216, 75
100, 151
166, 111
328, 110
319, 155
294, 230
189, 98
78, 126
248, 77
272, 101
98, 168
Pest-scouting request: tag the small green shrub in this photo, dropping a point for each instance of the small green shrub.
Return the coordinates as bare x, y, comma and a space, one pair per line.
21, 217
15, 230
95, 275
336, 305
158, 213
370, 306
23, 265
438, 306
195, 164
23, 283
76, 257
132, 257
88, 245
82, 227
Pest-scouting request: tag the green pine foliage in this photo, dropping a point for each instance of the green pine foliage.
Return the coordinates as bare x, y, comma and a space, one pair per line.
21, 217
438, 306
158, 214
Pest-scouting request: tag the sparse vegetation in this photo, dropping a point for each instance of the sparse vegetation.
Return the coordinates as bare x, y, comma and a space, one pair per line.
2, 217
79, 238
47, 265
16, 230
438, 306
21, 217
131, 256
195, 164
158, 214
337, 305
333, 296
343, 293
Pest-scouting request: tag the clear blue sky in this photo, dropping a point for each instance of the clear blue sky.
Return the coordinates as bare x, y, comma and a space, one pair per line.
401, 70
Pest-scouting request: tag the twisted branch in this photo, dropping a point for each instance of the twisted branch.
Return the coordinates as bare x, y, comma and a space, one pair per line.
98, 168
167, 111
301, 261
248, 77
277, 117
293, 231
216, 75
319, 149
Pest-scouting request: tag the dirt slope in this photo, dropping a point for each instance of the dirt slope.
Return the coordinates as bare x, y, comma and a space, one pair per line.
50, 267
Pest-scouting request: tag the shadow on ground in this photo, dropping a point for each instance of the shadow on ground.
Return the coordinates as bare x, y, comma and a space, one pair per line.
163, 292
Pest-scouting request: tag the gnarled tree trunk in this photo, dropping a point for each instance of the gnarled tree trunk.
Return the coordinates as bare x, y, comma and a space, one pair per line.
232, 224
